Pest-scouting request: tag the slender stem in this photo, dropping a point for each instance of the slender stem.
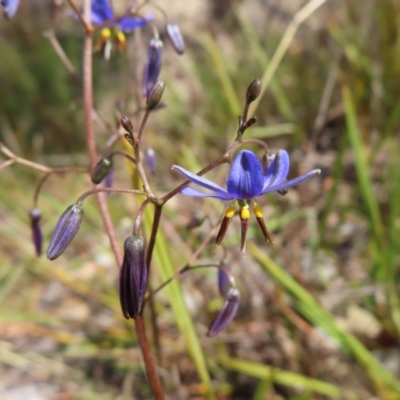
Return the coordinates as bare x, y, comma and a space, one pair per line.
178, 274
148, 359
121, 153
84, 20
109, 227
18, 160
154, 230
139, 215
6, 164
107, 190
48, 174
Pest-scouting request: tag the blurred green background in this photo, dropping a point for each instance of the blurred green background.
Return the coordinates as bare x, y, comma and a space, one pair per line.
320, 314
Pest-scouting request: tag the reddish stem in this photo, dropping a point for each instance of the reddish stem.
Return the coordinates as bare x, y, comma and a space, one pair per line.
109, 227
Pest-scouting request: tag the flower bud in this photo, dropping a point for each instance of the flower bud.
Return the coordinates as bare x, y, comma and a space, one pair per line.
150, 157
100, 170
127, 124
155, 95
176, 38
10, 7
253, 91
227, 312
153, 65
66, 229
133, 276
223, 278
37, 237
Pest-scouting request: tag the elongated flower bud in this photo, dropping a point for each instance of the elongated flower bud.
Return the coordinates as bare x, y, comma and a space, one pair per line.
176, 38
153, 65
150, 158
37, 237
155, 95
253, 91
223, 279
133, 276
66, 229
100, 170
227, 312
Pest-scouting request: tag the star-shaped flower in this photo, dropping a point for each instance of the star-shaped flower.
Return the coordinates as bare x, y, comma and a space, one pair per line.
102, 12
245, 182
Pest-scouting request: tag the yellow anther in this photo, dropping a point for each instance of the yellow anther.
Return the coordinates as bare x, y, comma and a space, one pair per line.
230, 212
244, 213
105, 33
120, 37
257, 211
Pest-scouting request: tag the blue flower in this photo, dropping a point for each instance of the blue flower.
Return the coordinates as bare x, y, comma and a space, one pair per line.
102, 12
10, 7
246, 181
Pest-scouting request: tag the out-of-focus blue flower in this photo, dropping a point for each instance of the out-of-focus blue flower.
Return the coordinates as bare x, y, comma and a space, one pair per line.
102, 12
153, 64
10, 7
227, 312
245, 182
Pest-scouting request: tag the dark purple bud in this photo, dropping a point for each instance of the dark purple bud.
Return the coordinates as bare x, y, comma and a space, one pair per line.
150, 158
224, 281
127, 124
133, 276
176, 38
253, 91
35, 215
100, 170
153, 65
155, 95
10, 7
227, 312
66, 229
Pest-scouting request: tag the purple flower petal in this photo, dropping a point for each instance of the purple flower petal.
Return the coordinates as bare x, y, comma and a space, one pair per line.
292, 182
277, 171
129, 24
245, 179
205, 183
101, 11
189, 191
10, 7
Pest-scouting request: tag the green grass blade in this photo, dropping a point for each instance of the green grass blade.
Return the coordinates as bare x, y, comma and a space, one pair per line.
162, 260
311, 309
287, 378
362, 168
223, 75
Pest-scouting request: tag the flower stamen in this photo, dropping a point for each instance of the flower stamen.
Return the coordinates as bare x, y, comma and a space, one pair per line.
260, 219
229, 213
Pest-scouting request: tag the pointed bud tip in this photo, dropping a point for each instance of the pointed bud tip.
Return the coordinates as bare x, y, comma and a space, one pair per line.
127, 124
155, 95
254, 90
